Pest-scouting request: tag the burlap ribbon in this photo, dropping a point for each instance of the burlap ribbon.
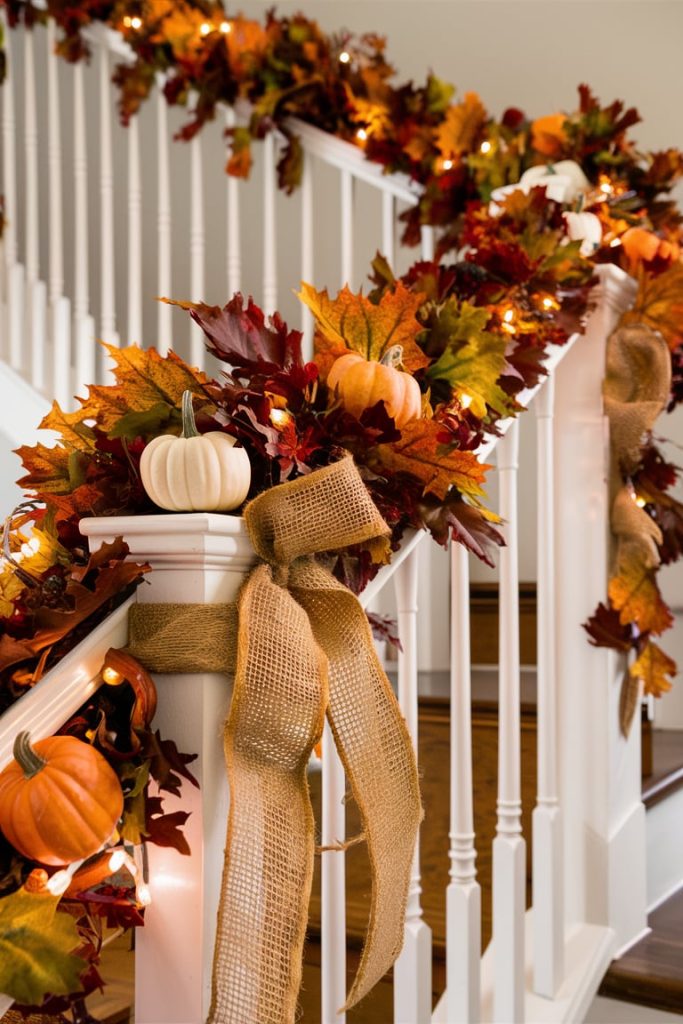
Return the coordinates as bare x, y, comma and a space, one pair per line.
636, 390
304, 651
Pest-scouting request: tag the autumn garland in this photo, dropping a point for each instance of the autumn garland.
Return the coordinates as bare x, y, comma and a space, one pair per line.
289, 68
474, 333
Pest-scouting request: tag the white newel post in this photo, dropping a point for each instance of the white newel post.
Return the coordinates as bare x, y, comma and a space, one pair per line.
195, 558
600, 787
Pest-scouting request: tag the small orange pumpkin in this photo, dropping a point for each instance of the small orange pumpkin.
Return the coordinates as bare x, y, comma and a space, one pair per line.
361, 383
59, 799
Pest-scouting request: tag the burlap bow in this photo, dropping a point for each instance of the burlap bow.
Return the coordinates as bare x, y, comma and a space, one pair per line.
304, 650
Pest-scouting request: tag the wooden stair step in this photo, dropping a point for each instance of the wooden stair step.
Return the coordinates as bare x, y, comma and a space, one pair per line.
651, 972
666, 774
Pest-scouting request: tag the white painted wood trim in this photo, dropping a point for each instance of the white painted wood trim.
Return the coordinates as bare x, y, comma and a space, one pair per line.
509, 857
61, 692
9, 152
134, 235
269, 226
31, 239
197, 248
346, 227
234, 245
307, 249
413, 968
54, 163
107, 258
463, 895
164, 339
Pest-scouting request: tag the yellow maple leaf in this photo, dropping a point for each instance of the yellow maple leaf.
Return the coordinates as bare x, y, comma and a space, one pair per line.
462, 126
353, 323
654, 667
635, 594
143, 379
420, 453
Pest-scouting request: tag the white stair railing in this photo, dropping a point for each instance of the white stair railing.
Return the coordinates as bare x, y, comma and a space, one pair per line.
503, 993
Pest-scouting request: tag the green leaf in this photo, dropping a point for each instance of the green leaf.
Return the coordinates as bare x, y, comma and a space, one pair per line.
36, 948
473, 358
160, 418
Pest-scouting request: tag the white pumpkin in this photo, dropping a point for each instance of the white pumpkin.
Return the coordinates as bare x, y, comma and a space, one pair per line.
195, 472
586, 228
564, 181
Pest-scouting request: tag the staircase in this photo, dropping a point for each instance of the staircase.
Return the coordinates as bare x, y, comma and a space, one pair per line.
558, 789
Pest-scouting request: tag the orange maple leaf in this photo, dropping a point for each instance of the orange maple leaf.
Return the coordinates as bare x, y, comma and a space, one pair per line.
420, 453
353, 323
462, 126
635, 594
659, 304
654, 667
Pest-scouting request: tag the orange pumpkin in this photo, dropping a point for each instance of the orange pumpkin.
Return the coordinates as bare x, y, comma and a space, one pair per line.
59, 799
643, 246
361, 383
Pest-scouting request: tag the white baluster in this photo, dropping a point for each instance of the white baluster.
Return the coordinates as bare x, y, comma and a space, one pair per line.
54, 163
269, 226
548, 881
34, 302
332, 887
307, 249
164, 340
509, 854
346, 228
13, 291
463, 896
85, 360
31, 162
388, 215
413, 969
37, 318
427, 242
9, 153
107, 268
234, 261
197, 247
134, 235
61, 347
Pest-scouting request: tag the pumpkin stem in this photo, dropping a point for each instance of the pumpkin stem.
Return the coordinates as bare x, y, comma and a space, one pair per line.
189, 425
393, 356
26, 756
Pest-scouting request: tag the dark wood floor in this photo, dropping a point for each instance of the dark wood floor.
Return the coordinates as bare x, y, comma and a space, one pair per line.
651, 972
667, 766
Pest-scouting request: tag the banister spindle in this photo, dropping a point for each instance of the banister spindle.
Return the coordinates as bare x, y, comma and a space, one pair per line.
463, 896
54, 163
307, 249
83, 324
509, 854
164, 339
388, 213
427, 242
134, 235
36, 292
346, 182
548, 881
234, 254
59, 305
197, 247
269, 226
9, 151
31, 162
14, 292
413, 969
107, 267
332, 885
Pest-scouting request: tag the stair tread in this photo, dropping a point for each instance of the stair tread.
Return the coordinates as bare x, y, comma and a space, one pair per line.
667, 766
650, 973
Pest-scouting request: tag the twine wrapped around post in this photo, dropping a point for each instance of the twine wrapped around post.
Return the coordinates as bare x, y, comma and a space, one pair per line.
636, 390
303, 651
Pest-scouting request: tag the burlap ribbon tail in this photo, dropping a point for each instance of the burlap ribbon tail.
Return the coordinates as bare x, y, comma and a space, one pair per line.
303, 651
